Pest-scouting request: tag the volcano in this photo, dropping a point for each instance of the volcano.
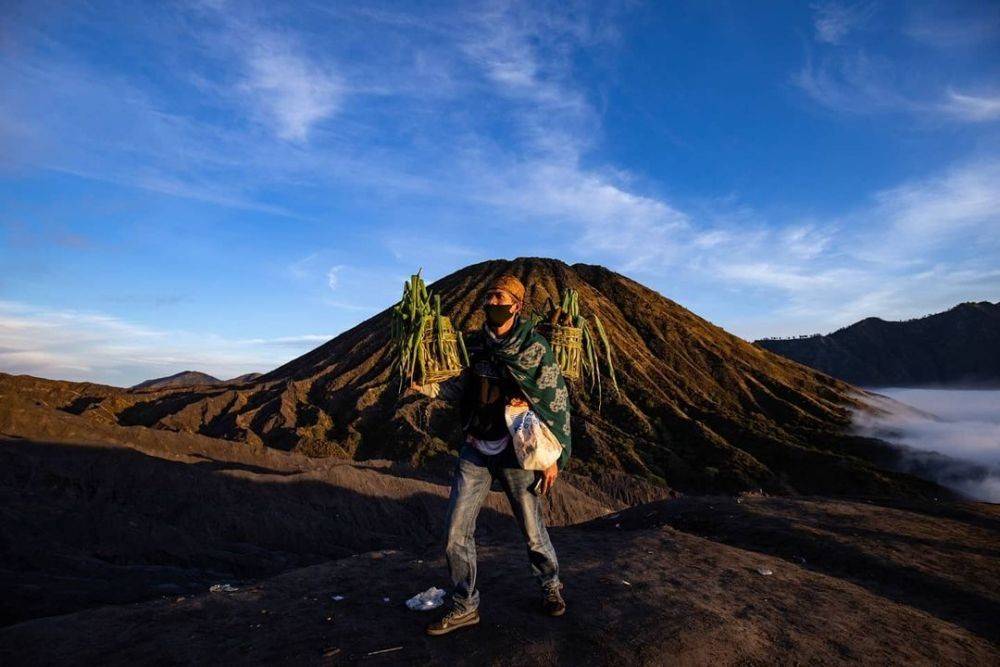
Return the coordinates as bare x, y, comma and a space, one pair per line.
699, 409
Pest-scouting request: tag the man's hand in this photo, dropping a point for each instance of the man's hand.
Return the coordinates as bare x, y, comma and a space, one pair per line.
517, 402
548, 478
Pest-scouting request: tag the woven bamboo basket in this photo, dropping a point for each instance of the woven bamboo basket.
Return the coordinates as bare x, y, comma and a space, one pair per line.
441, 361
567, 345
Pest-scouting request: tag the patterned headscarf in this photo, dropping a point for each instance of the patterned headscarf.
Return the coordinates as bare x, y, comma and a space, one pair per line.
509, 284
529, 357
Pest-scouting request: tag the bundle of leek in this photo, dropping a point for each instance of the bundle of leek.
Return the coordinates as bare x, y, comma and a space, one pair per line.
427, 348
574, 349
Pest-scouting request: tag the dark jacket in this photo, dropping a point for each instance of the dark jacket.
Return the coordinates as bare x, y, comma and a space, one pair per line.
482, 390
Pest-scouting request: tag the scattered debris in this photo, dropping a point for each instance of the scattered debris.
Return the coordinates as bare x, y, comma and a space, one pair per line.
223, 588
338, 598
766, 571
385, 599
330, 652
626, 582
432, 598
384, 650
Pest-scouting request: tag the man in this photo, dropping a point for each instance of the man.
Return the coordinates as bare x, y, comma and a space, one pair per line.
509, 364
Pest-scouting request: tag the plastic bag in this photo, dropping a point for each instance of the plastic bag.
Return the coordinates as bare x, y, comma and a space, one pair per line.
432, 598
223, 588
534, 444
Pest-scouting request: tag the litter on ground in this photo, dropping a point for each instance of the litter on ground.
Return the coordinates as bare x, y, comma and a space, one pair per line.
223, 588
432, 598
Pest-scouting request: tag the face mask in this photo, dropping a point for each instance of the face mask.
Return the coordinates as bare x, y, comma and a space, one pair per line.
497, 313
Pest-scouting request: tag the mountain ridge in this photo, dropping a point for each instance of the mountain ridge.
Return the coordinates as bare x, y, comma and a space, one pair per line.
956, 347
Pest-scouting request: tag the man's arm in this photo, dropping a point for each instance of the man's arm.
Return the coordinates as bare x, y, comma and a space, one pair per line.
449, 390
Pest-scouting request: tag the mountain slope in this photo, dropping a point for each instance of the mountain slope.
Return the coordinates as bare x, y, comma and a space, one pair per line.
700, 409
960, 346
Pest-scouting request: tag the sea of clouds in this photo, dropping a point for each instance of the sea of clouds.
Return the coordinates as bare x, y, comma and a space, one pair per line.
951, 436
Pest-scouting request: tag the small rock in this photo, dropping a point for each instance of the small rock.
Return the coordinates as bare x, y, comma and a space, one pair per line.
766, 571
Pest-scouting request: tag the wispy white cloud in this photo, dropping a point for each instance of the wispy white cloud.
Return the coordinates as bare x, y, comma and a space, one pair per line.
834, 20
856, 83
300, 269
964, 197
333, 276
861, 83
92, 346
868, 78
644, 228
972, 107
953, 25
885, 258
785, 277
310, 340
286, 88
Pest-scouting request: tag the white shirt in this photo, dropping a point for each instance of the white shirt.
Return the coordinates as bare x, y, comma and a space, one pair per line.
490, 447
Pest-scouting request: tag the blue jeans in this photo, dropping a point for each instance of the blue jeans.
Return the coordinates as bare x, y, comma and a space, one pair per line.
474, 473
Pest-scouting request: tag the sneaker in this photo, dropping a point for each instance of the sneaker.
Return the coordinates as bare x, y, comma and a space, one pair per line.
552, 601
453, 620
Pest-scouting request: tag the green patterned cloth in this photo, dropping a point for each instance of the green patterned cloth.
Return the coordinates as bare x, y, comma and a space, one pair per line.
531, 362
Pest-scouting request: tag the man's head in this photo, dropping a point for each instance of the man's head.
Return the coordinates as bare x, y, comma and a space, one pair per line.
503, 299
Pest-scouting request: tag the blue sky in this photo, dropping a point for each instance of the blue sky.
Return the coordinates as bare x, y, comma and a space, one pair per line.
223, 186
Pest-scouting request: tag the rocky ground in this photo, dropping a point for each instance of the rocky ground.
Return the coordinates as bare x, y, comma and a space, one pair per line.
113, 537
679, 581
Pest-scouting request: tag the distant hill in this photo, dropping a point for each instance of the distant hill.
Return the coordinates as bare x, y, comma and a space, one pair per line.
192, 379
240, 379
958, 347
